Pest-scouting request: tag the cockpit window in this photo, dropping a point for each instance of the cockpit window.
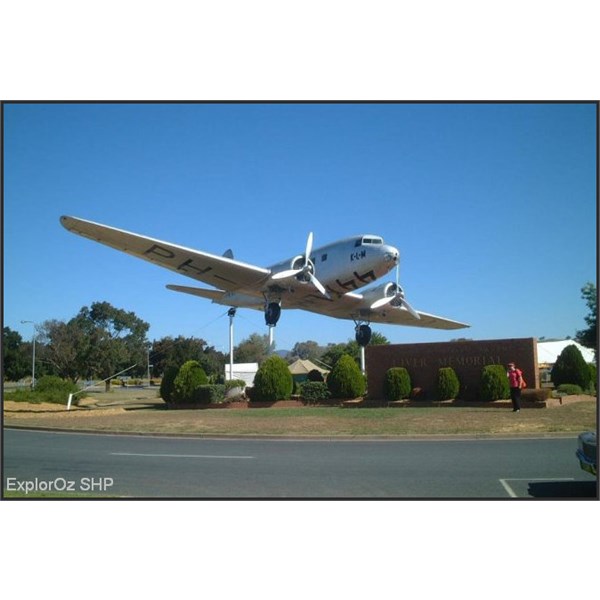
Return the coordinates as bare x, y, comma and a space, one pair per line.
372, 241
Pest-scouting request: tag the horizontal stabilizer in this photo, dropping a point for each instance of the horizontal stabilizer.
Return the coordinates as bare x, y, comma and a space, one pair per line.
215, 295
221, 297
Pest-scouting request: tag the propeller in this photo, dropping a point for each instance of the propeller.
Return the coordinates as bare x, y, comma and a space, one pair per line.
305, 272
397, 299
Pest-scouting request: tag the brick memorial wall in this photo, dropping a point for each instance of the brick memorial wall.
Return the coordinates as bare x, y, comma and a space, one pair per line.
467, 358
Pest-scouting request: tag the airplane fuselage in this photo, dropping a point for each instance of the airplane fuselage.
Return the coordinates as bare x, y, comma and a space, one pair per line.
349, 264
343, 266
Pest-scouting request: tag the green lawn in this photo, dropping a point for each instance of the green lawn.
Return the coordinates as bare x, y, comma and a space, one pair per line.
329, 422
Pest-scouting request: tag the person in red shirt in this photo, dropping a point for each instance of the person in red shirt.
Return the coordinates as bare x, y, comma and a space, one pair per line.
515, 382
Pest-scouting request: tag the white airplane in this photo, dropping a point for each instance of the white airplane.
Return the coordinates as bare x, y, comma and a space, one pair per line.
324, 280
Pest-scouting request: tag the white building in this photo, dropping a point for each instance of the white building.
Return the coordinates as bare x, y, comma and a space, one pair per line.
244, 371
548, 352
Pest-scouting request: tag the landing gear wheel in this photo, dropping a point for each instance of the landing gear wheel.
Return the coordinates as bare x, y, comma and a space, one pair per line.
363, 335
272, 313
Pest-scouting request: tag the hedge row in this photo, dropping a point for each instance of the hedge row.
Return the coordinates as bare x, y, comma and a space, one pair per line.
273, 381
494, 384
398, 386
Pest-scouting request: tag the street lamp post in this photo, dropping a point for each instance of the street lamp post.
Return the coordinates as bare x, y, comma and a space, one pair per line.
149, 367
33, 359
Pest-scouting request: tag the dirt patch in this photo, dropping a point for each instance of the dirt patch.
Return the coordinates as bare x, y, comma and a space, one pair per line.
24, 410
26, 407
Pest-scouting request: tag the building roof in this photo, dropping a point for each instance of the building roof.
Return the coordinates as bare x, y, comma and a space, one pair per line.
303, 367
548, 351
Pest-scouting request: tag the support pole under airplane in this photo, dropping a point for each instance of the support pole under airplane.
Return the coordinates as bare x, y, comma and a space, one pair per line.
231, 314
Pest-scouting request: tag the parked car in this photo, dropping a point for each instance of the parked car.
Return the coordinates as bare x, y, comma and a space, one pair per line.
587, 452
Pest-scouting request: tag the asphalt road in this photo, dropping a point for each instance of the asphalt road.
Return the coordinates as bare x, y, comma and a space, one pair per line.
148, 467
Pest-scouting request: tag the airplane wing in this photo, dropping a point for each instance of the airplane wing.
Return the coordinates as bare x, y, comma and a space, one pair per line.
219, 271
354, 306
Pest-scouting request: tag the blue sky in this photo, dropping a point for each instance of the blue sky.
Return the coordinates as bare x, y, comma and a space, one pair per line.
492, 206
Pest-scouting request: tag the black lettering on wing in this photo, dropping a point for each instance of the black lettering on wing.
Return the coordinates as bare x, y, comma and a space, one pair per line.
159, 251
188, 267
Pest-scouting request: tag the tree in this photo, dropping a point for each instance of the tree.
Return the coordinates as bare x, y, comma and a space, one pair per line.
273, 381
315, 375
167, 384
448, 384
333, 352
397, 384
117, 339
589, 337
570, 367
308, 350
169, 351
345, 379
494, 383
65, 347
16, 362
213, 362
191, 376
253, 349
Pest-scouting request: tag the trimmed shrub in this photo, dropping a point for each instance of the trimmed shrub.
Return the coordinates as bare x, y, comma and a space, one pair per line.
314, 391
315, 375
448, 385
273, 381
569, 389
570, 367
167, 384
494, 383
209, 394
231, 384
346, 379
190, 377
397, 384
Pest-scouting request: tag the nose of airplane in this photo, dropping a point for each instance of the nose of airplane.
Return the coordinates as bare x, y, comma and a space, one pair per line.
391, 254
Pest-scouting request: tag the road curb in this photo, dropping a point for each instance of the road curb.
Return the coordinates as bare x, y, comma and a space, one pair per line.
367, 438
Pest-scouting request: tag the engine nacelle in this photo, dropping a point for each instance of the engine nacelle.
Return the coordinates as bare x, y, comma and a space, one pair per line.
385, 290
297, 263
